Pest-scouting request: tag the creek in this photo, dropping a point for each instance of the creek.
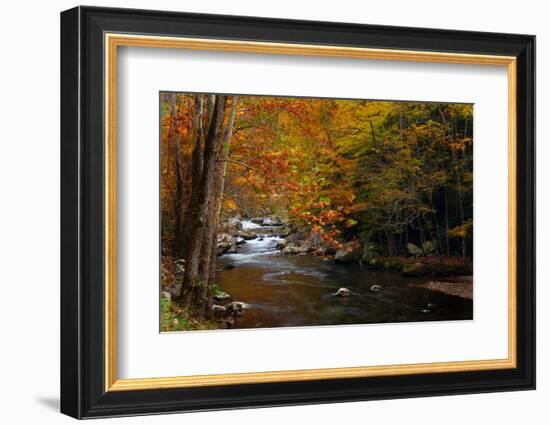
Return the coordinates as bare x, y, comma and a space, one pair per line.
284, 290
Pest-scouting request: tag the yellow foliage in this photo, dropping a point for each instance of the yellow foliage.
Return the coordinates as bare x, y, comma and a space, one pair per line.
230, 204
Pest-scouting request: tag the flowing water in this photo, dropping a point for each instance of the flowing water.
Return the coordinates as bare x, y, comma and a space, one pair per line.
298, 291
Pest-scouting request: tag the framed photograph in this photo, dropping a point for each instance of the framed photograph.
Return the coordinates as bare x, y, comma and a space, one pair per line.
261, 212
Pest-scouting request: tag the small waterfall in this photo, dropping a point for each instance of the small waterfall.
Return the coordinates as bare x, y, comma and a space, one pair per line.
247, 225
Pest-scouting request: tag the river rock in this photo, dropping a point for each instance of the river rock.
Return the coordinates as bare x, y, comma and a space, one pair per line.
238, 306
375, 288
216, 308
180, 267
342, 292
225, 238
281, 244
224, 243
247, 236
232, 225
235, 222
292, 249
351, 253
414, 250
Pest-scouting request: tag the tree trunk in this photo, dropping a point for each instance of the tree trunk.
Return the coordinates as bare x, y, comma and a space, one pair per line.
390, 242
209, 268
196, 172
447, 246
461, 211
179, 198
198, 211
458, 180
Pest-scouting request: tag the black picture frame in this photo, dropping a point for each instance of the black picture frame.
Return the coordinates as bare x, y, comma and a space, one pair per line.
83, 392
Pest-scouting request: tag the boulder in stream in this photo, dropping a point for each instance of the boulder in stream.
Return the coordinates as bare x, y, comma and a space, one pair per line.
219, 308
238, 306
342, 292
247, 236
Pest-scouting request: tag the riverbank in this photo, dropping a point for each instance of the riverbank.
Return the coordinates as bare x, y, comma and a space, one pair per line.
236, 233
461, 286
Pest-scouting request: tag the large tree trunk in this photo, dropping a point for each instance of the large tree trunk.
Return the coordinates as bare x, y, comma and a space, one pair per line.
196, 172
210, 267
198, 211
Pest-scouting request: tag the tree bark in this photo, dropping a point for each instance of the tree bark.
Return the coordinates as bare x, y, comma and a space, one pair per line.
179, 198
221, 171
458, 180
196, 172
447, 246
390, 242
198, 211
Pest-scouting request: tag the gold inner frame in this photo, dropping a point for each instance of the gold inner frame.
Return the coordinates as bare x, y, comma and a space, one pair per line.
113, 41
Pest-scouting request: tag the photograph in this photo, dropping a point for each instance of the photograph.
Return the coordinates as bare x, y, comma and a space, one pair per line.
281, 211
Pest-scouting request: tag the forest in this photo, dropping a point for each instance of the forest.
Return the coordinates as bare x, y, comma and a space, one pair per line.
361, 184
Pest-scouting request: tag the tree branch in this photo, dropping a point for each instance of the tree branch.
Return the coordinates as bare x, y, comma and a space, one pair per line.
250, 167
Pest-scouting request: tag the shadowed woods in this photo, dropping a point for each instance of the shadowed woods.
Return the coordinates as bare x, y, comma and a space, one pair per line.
284, 201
